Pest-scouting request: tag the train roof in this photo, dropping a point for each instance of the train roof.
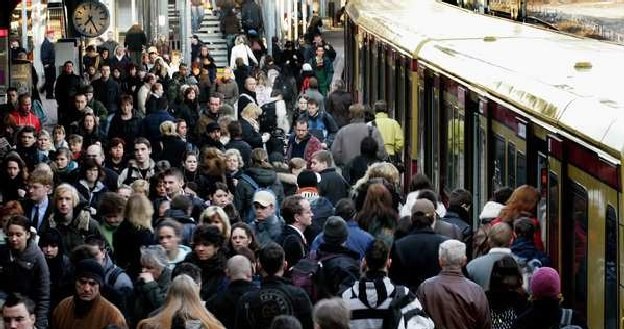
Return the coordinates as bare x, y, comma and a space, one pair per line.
568, 81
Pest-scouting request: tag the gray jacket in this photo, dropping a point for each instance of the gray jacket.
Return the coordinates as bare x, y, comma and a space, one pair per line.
346, 145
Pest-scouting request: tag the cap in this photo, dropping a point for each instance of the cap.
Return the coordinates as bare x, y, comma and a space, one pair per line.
423, 206
335, 230
264, 198
307, 67
152, 49
89, 268
212, 127
545, 283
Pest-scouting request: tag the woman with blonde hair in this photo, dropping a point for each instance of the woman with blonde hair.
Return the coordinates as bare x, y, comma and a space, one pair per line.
382, 172
182, 304
134, 232
172, 145
242, 50
217, 217
251, 127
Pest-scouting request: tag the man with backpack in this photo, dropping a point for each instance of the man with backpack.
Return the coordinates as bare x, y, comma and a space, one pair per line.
256, 310
375, 302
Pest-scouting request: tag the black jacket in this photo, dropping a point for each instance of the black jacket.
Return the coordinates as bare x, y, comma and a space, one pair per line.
127, 130
415, 258
173, 149
28, 206
243, 147
48, 56
223, 306
333, 186
250, 135
455, 215
341, 269
545, 314
252, 313
108, 92
214, 281
265, 178
338, 106
66, 87
294, 246
130, 239
27, 273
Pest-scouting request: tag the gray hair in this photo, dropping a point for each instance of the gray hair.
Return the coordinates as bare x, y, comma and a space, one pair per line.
331, 313
452, 253
155, 256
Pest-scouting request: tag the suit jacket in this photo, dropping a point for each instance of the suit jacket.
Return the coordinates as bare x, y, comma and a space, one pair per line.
294, 246
28, 206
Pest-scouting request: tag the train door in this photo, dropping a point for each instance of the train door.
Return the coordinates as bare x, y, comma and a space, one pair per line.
509, 134
428, 124
453, 130
553, 175
590, 226
479, 159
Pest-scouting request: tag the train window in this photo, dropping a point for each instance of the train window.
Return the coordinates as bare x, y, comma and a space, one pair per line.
611, 277
579, 226
374, 73
499, 163
521, 169
455, 145
400, 110
390, 82
511, 165
382, 73
553, 219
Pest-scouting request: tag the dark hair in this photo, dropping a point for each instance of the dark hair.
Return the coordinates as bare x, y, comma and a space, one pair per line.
82, 252
114, 142
460, 197
23, 96
111, 204
171, 223
313, 84
189, 269
312, 101
15, 299
420, 182
429, 195
291, 206
89, 163
250, 234
369, 147
403, 228
125, 98
377, 255
285, 322
20, 220
505, 281
380, 106
272, 258
235, 129
142, 140
345, 208
524, 228
207, 235
502, 195
216, 187
175, 172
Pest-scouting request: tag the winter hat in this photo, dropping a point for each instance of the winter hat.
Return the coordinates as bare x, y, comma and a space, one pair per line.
307, 67
89, 268
212, 127
335, 230
545, 283
307, 178
490, 211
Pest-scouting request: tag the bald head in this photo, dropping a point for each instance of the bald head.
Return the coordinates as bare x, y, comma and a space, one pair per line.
239, 268
500, 235
96, 152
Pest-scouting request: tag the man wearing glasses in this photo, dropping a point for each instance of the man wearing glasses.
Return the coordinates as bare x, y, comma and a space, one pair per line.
87, 308
266, 225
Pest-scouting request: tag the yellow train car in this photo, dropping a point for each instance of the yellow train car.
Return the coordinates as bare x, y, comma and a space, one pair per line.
486, 102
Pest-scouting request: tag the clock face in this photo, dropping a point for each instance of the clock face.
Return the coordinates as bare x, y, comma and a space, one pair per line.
91, 19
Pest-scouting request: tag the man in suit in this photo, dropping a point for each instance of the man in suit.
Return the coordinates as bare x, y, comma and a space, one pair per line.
38, 206
297, 214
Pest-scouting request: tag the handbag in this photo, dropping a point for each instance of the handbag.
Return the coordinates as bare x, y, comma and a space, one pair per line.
39, 111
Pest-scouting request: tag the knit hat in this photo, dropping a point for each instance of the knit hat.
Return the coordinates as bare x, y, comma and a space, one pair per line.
307, 178
307, 67
545, 283
51, 237
89, 268
335, 230
212, 127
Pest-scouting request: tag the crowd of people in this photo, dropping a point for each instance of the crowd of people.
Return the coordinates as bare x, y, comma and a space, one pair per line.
190, 200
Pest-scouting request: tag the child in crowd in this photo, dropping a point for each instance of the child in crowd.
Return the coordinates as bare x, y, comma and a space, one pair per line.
75, 145
58, 137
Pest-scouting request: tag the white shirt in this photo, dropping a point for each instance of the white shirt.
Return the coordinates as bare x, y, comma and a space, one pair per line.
243, 51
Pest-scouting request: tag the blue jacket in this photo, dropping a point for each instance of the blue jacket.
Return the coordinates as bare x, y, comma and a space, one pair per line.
524, 248
358, 239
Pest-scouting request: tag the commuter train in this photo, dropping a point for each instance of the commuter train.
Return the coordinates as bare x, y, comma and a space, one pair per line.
487, 102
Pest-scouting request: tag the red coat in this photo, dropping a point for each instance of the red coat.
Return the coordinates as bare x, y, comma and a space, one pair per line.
26, 120
312, 145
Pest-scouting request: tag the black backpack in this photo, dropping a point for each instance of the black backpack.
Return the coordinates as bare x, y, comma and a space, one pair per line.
266, 305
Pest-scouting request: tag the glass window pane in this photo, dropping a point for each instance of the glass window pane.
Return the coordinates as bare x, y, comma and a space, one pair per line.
521, 169
579, 244
511, 165
499, 163
611, 281
553, 219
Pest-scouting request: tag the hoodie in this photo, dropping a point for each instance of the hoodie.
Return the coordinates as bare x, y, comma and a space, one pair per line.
183, 251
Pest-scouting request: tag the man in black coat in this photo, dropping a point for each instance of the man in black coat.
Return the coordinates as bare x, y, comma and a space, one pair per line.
237, 142
332, 186
415, 257
135, 40
67, 85
48, 58
297, 215
39, 206
223, 306
338, 103
276, 295
107, 90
